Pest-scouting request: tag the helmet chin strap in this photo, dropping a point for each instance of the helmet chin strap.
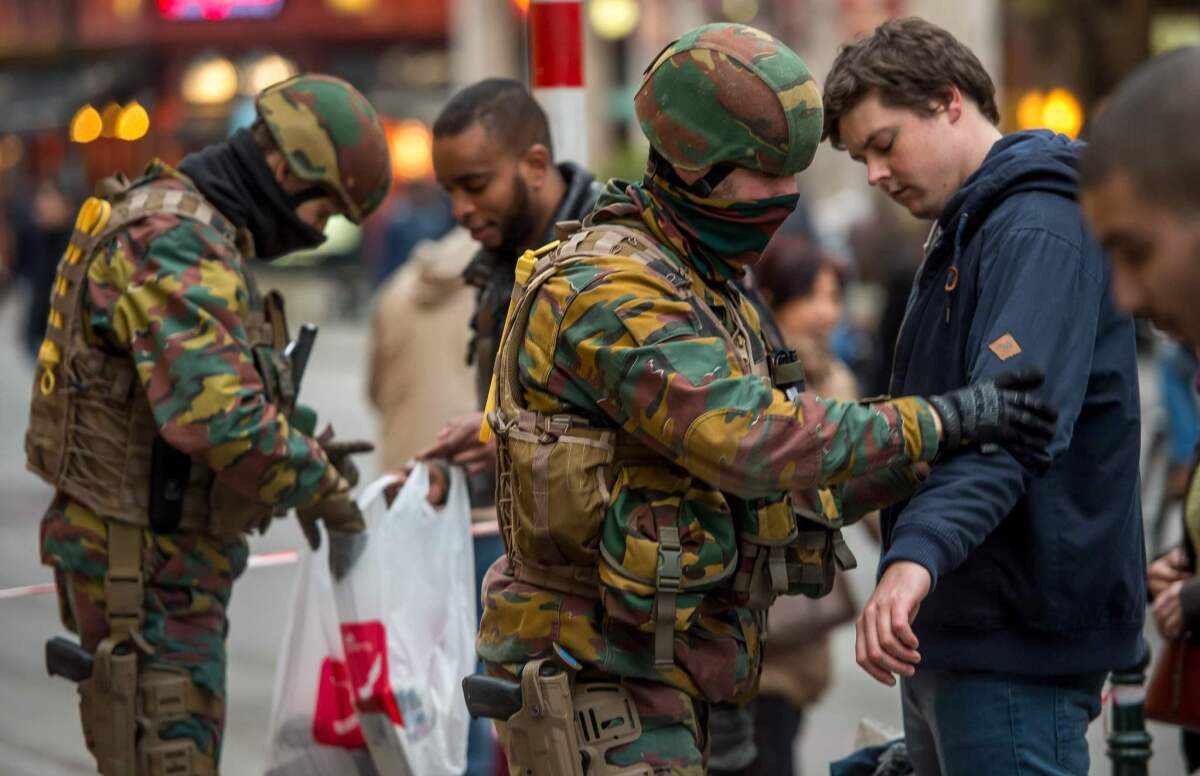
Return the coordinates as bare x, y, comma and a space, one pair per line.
703, 187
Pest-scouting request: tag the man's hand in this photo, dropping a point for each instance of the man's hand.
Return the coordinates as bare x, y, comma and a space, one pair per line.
459, 444
337, 510
884, 640
1002, 411
1168, 611
1169, 568
439, 482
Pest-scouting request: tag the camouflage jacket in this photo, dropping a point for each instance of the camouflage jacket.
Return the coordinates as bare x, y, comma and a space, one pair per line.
173, 295
616, 343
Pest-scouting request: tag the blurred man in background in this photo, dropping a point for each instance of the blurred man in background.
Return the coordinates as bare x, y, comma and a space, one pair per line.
1003, 664
1140, 193
492, 153
163, 405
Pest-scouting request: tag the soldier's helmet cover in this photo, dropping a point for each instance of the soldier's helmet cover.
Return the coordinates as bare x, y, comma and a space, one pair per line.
331, 137
730, 94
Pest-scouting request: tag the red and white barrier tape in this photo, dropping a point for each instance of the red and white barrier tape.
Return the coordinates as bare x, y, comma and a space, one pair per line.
256, 561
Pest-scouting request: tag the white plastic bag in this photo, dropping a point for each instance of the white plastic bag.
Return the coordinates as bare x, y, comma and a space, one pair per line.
407, 613
313, 728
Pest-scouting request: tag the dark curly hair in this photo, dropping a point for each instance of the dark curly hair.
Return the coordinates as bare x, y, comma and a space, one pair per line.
908, 63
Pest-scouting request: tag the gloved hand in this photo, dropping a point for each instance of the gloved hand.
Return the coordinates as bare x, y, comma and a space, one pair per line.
339, 512
339, 451
1001, 411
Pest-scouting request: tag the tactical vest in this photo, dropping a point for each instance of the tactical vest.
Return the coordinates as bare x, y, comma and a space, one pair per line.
91, 431
558, 475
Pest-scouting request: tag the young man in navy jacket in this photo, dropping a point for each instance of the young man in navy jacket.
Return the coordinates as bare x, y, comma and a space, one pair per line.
1007, 591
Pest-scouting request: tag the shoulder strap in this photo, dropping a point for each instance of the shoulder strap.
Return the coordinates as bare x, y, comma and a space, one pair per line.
147, 200
598, 240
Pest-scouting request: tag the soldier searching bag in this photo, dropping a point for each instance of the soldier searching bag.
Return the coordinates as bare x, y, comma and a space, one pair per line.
374, 656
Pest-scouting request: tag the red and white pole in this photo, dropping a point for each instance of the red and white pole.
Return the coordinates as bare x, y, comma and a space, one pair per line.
556, 67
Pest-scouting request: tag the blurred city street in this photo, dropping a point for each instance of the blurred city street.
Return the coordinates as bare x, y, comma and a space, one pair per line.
483, 123
39, 724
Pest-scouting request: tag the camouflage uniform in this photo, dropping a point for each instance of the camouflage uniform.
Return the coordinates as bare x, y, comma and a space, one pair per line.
167, 300
638, 342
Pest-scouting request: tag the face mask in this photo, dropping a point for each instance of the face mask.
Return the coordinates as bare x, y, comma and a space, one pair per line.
726, 234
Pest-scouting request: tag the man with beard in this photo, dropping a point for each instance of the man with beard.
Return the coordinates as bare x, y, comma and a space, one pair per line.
493, 154
1139, 175
161, 412
986, 604
647, 450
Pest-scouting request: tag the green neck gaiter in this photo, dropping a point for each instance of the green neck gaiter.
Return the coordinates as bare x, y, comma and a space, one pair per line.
719, 236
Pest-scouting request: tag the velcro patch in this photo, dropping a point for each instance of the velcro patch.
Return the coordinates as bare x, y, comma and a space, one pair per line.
1005, 347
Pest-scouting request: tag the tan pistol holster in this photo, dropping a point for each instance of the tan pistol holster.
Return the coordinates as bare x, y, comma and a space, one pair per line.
91, 431
555, 472
565, 730
126, 702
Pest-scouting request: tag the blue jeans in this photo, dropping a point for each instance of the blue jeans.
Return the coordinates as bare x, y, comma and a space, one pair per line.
479, 740
999, 724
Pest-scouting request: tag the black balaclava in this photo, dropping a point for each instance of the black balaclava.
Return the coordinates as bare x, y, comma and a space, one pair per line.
235, 178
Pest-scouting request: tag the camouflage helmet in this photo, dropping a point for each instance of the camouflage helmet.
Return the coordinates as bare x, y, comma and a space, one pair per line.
730, 94
331, 137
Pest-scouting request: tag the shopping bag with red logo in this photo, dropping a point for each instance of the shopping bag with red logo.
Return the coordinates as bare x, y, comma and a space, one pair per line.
406, 604
314, 729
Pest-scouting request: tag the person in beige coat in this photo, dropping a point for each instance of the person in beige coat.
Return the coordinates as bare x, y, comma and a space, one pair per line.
417, 375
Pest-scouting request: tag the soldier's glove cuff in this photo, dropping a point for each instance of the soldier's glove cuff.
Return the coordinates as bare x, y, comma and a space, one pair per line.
1002, 411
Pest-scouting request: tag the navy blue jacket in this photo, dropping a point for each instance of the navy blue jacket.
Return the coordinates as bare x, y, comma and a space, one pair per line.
1032, 575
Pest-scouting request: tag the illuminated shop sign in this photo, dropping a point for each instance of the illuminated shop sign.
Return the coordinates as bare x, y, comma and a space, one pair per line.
218, 10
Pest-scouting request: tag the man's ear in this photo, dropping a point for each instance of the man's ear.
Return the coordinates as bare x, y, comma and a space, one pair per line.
953, 103
536, 165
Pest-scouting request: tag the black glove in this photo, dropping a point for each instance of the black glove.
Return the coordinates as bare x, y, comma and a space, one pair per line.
339, 452
339, 513
1000, 411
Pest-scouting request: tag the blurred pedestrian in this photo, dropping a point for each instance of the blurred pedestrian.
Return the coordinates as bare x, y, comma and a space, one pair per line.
1008, 589
1140, 195
41, 228
162, 412
417, 374
803, 288
493, 155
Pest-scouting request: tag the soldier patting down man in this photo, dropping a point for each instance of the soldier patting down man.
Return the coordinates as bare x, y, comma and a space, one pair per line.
657, 487
164, 412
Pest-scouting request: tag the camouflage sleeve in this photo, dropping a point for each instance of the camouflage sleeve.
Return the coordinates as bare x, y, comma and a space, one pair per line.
630, 346
179, 311
878, 489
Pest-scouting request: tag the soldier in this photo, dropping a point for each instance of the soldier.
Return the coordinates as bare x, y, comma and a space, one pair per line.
161, 410
646, 461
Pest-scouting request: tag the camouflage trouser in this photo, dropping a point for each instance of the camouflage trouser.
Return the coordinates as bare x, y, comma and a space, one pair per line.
188, 579
674, 729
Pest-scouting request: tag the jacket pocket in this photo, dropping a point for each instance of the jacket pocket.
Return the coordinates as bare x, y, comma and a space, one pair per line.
667, 541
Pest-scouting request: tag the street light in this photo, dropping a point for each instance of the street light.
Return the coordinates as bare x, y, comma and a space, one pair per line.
210, 81
133, 123
613, 19
411, 146
267, 70
1058, 110
85, 125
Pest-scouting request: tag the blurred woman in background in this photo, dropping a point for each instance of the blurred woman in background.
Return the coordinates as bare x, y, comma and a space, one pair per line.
802, 286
